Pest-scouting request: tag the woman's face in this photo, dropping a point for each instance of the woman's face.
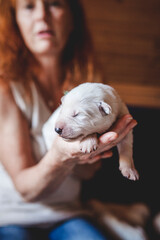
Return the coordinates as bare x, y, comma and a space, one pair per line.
45, 25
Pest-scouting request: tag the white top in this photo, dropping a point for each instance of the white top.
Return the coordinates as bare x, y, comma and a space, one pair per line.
60, 205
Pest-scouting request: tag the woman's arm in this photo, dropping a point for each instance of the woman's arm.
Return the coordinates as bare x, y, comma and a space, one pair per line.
33, 181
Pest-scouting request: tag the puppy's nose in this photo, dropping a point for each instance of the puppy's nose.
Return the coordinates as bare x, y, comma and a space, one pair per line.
59, 130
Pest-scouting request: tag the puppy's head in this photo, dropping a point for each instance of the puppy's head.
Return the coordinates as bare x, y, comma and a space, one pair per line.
81, 115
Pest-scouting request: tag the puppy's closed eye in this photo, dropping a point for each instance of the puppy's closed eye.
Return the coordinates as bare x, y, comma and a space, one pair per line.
75, 114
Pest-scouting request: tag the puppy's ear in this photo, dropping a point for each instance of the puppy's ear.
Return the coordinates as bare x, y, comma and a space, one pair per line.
62, 99
104, 108
65, 93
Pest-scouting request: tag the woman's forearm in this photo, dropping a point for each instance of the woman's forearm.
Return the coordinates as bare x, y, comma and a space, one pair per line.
37, 182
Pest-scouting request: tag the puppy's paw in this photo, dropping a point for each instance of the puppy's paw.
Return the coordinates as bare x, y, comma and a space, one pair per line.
130, 173
89, 144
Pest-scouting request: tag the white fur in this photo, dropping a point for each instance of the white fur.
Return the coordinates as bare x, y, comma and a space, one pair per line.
88, 109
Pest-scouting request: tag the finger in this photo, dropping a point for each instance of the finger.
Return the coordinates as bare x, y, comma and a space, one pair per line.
94, 159
121, 123
84, 159
108, 137
121, 136
118, 128
90, 159
128, 128
107, 154
83, 162
85, 156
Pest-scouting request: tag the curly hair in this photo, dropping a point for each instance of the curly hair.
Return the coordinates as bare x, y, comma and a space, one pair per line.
17, 63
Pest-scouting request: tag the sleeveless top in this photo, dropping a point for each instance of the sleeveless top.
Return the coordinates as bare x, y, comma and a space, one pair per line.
60, 205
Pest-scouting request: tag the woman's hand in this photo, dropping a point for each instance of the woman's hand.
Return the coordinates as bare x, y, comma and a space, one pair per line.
110, 139
89, 163
71, 150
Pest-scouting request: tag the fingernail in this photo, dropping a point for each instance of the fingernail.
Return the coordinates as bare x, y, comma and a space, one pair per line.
110, 138
107, 154
129, 118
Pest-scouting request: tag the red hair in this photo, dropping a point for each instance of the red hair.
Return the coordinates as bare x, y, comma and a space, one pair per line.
16, 62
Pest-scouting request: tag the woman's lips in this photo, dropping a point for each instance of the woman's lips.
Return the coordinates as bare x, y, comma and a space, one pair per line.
45, 34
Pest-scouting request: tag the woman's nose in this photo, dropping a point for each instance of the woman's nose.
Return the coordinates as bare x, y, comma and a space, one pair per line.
41, 10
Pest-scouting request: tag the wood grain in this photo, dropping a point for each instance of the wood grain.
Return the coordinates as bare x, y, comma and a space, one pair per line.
126, 36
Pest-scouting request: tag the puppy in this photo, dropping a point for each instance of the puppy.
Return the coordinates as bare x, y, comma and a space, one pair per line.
86, 110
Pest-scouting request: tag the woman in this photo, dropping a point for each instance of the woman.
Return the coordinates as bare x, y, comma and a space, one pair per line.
45, 47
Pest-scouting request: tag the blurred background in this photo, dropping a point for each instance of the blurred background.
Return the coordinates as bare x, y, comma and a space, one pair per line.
126, 36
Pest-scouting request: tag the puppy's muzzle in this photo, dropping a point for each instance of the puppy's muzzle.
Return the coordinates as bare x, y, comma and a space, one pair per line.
67, 134
59, 130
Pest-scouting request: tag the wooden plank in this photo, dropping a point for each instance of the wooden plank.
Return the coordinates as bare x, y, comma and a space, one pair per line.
138, 95
140, 70
127, 42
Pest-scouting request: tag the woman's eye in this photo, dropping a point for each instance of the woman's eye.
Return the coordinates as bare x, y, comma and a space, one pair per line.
54, 3
29, 6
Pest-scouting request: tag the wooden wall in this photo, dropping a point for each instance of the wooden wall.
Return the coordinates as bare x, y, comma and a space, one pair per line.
126, 35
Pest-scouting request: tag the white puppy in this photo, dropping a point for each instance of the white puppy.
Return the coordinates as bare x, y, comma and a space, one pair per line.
86, 110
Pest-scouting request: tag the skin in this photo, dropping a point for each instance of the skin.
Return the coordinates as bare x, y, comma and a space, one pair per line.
35, 181
47, 36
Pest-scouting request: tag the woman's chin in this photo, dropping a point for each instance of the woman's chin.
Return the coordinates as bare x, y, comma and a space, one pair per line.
46, 48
